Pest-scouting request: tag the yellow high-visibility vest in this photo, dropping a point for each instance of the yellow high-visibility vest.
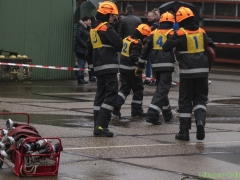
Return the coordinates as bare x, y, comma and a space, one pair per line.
195, 42
126, 45
94, 37
159, 38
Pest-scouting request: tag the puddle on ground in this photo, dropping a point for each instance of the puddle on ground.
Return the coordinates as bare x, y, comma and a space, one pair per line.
216, 114
227, 101
223, 114
37, 90
64, 120
225, 156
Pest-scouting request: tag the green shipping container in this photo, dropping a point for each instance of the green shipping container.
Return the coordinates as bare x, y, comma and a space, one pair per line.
42, 30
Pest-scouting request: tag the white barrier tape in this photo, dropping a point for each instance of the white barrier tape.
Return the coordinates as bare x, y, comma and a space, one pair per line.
231, 44
53, 67
44, 67
56, 67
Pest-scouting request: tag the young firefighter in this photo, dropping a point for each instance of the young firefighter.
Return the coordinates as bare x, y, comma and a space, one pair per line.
132, 46
190, 42
162, 65
102, 56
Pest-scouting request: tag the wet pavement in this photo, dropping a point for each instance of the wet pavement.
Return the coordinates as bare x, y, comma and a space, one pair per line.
138, 150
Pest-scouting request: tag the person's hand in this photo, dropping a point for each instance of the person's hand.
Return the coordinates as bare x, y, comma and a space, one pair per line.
138, 72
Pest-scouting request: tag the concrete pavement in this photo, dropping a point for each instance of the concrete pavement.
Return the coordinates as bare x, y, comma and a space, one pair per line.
138, 150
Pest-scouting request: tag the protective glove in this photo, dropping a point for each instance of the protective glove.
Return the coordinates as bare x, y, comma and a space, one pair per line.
138, 72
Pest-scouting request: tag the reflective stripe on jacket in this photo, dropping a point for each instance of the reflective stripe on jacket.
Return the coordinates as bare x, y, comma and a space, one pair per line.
102, 48
190, 53
160, 60
129, 55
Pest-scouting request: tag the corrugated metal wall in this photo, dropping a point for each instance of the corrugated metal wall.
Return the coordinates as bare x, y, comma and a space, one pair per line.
41, 29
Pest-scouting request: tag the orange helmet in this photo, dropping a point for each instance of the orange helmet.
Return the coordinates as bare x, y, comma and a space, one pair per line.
167, 16
107, 7
144, 29
183, 13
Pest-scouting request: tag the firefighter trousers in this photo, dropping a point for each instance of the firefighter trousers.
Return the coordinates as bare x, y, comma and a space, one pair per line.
160, 101
193, 93
130, 82
105, 99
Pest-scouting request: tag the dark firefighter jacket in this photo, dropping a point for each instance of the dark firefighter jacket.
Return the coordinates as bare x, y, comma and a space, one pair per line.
190, 46
103, 45
160, 60
129, 55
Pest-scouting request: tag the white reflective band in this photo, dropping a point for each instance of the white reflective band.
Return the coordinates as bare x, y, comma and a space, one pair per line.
188, 115
182, 52
105, 45
185, 52
136, 102
108, 66
163, 65
189, 71
122, 95
90, 66
96, 108
141, 60
127, 67
155, 107
165, 107
107, 107
200, 107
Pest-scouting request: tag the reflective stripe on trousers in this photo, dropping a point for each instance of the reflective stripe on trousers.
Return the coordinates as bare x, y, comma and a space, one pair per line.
122, 95
136, 102
197, 70
107, 107
155, 107
200, 107
96, 108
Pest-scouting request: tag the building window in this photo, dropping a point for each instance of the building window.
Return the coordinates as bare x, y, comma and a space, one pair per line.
225, 9
124, 4
152, 5
238, 10
208, 9
139, 7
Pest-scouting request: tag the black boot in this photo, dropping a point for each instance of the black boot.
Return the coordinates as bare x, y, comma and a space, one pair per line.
99, 131
154, 120
116, 113
153, 83
81, 80
183, 135
158, 122
168, 117
92, 79
146, 81
200, 130
139, 114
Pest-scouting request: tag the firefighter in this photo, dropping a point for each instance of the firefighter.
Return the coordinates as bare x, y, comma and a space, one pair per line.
162, 65
132, 46
102, 57
190, 42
